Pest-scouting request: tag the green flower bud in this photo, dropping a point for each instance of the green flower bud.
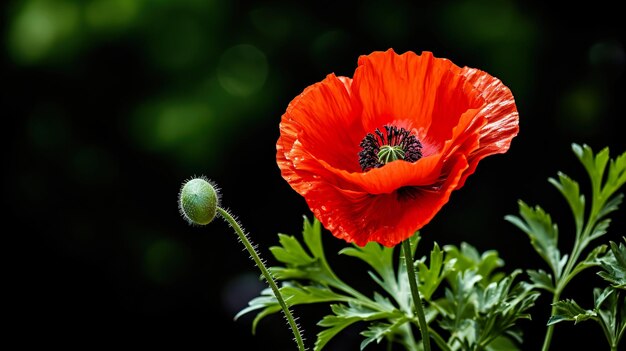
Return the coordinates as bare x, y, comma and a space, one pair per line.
198, 200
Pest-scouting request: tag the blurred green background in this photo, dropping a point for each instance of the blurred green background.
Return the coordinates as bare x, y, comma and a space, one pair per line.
112, 104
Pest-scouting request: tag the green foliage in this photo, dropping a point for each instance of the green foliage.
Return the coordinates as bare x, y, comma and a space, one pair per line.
591, 222
469, 302
543, 234
476, 315
609, 312
469, 305
614, 266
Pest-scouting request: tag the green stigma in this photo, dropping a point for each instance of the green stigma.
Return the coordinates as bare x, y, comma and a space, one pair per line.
390, 153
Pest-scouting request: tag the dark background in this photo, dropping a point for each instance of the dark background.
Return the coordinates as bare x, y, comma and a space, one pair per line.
109, 105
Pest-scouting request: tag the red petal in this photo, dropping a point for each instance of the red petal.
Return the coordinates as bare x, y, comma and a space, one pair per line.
412, 91
360, 217
321, 123
500, 112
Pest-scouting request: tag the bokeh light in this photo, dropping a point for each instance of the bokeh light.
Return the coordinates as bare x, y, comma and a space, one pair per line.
242, 70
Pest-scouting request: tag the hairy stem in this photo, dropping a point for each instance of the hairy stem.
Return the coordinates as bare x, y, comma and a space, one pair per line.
417, 301
266, 274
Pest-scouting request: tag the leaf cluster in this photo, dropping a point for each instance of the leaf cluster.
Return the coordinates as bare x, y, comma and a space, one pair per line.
591, 218
469, 303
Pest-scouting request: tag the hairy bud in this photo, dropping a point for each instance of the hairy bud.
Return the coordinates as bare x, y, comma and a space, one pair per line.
198, 200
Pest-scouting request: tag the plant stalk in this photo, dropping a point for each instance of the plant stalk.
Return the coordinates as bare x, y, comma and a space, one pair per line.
266, 274
417, 301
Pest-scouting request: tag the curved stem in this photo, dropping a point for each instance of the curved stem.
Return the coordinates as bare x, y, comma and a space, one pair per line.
417, 301
266, 274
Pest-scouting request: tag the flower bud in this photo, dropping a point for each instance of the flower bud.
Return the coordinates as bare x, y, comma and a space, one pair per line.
198, 200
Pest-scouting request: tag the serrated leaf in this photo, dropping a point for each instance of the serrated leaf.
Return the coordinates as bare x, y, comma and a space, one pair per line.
301, 265
344, 316
595, 165
543, 234
616, 176
293, 295
611, 205
619, 253
477, 315
461, 296
596, 168
541, 279
614, 266
378, 331
298, 295
591, 260
380, 258
432, 275
335, 325
599, 229
468, 258
291, 252
569, 310
571, 191
311, 233
610, 304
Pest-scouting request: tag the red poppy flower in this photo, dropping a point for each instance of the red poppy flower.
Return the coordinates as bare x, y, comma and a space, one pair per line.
378, 155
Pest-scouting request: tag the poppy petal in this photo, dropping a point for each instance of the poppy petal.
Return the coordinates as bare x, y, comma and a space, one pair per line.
322, 120
459, 116
411, 91
501, 114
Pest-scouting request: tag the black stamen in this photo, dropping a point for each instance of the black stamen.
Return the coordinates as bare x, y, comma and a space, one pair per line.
371, 144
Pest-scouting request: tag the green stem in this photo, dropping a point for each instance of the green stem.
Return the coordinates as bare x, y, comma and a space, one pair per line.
620, 334
439, 340
417, 301
565, 277
548, 338
268, 277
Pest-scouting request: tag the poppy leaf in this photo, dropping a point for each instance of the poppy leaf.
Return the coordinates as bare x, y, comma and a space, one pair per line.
610, 305
379, 330
614, 266
543, 234
611, 205
569, 310
594, 164
291, 252
378, 257
468, 258
609, 311
432, 275
603, 184
346, 315
478, 315
335, 325
299, 264
311, 234
592, 260
541, 279
571, 191
617, 173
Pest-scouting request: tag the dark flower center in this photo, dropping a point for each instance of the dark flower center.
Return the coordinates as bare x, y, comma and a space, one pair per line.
378, 148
